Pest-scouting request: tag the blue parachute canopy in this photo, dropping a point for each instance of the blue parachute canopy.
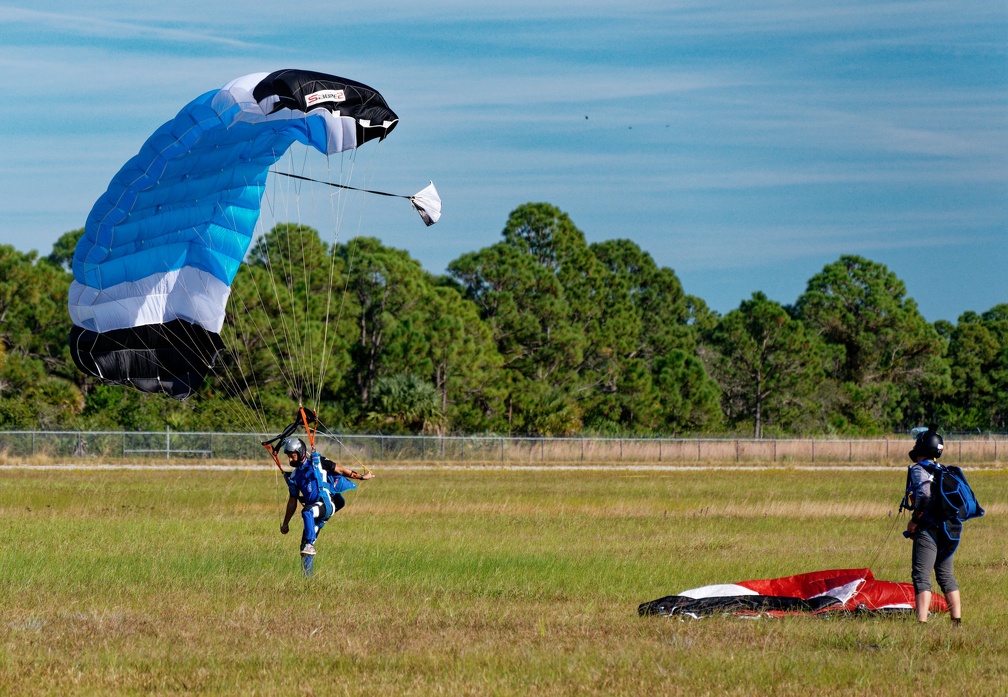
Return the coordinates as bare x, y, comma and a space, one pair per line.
161, 247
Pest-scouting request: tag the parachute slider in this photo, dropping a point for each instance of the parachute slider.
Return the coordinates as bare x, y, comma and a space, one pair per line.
426, 202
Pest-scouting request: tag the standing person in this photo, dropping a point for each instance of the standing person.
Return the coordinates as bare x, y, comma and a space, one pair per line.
312, 483
935, 536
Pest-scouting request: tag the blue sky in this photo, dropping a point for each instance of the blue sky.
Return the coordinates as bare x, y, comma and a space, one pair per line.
744, 145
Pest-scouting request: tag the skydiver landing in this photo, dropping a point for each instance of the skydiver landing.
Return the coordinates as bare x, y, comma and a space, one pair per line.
315, 482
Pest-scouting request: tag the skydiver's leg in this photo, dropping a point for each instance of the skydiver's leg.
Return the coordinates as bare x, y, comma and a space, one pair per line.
925, 551
923, 603
326, 508
325, 513
946, 579
943, 564
955, 605
311, 516
315, 517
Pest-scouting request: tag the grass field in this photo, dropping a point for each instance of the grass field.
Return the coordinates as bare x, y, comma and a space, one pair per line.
473, 582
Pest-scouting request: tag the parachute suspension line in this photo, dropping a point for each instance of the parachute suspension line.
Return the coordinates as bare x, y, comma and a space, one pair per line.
253, 402
243, 340
885, 541
302, 417
290, 335
286, 305
165, 370
307, 347
237, 379
314, 381
297, 342
276, 488
300, 344
337, 207
336, 210
241, 410
183, 330
186, 186
301, 349
299, 353
309, 431
302, 327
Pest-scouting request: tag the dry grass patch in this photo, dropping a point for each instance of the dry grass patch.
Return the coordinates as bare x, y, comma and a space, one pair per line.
469, 582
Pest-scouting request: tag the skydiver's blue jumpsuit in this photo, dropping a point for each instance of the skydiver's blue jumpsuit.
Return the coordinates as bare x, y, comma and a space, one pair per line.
317, 492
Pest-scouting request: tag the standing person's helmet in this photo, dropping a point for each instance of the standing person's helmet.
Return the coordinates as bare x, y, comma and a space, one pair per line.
928, 444
295, 445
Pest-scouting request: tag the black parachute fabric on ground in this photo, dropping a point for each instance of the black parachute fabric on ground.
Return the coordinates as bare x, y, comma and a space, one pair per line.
815, 592
694, 607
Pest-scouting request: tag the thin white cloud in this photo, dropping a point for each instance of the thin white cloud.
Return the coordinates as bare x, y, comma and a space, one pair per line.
89, 26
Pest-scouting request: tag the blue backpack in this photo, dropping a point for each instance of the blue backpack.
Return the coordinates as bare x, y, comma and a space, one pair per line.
951, 494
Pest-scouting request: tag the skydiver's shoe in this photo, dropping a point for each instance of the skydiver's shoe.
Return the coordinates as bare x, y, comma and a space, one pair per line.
308, 550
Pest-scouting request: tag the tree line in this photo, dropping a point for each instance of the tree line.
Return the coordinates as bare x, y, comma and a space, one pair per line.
538, 334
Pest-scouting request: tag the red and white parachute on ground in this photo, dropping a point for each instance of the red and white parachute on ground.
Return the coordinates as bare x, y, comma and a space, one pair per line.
817, 592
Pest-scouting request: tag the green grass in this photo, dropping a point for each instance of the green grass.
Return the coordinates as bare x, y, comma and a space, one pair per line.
472, 582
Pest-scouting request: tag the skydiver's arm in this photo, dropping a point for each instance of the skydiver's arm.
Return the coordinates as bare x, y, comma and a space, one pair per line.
333, 468
288, 514
920, 484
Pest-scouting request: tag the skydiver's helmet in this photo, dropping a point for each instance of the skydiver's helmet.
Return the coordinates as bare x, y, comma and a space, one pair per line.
295, 445
928, 444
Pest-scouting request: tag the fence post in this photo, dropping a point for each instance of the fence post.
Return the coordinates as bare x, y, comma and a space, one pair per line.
502, 450
582, 448
813, 451
167, 442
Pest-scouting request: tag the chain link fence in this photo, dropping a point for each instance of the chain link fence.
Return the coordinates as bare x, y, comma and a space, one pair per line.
246, 448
